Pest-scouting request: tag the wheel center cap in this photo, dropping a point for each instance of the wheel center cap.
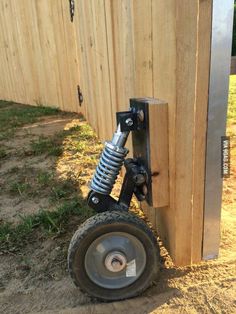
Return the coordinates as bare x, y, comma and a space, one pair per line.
115, 261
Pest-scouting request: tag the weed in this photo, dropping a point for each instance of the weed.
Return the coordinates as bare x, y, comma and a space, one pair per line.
19, 188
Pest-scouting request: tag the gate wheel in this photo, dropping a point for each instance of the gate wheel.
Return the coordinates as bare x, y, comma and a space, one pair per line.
113, 256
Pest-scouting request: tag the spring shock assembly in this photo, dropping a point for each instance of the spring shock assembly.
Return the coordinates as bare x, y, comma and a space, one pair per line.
114, 254
110, 163
112, 159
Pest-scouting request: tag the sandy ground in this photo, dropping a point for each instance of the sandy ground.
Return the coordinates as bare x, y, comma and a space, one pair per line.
35, 280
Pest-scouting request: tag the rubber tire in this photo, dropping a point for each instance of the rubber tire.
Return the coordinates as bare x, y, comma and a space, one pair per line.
110, 222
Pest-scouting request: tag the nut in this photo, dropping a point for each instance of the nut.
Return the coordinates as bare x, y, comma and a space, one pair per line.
129, 122
95, 200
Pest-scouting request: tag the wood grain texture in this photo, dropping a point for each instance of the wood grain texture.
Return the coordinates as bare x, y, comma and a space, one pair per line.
164, 85
143, 49
186, 62
200, 125
158, 135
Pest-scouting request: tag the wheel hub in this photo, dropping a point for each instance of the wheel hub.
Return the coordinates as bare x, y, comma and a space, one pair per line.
108, 256
115, 261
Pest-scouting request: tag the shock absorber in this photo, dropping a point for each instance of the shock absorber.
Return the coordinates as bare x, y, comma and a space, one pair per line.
110, 163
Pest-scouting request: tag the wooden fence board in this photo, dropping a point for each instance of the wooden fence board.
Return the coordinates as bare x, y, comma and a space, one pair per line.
143, 51
164, 87
202, 86
111, 60
83, 61
35, 54
6, 81
11, 54
186, 30
103, 102
73, 65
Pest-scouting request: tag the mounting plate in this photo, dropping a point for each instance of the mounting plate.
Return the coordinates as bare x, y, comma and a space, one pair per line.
141, 142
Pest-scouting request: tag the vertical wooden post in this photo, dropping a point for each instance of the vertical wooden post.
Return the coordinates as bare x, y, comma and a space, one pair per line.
180, 222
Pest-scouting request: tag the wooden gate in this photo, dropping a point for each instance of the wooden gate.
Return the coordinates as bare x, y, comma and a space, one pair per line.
113, 51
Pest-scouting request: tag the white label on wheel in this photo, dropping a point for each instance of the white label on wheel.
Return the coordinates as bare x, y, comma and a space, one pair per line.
131, 269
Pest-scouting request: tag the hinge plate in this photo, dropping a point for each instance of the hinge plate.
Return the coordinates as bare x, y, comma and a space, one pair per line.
80, 95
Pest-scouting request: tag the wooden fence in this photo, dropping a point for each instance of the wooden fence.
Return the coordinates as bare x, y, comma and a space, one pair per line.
115, 50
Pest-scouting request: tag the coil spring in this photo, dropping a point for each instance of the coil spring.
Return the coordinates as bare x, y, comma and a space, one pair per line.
108, 168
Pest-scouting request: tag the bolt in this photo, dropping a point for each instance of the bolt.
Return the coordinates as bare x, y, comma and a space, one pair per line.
129, 122
116, 263
145, 189
139, 178
95, 200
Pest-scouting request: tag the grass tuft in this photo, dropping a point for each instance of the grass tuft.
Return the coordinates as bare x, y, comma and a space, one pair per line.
45, 145
62, 190
16, 115
62, 205
19, 188
44, 178
49, 222
3, 153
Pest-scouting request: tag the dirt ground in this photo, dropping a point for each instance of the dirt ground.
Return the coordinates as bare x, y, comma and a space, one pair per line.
34, 279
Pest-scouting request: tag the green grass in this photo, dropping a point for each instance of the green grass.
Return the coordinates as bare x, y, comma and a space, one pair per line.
16, 115
3, 153
65, 205
44, 178
32, 183
49, 223
19, 188
44, 145
80, 139
62, 190
232, 101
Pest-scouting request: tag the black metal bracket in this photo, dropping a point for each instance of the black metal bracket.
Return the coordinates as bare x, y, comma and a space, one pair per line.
132, 120
135, 182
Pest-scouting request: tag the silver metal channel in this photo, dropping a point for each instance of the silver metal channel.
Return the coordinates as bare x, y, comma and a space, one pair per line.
221, 42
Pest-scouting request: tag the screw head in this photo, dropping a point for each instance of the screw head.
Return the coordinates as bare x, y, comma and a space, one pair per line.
95, 200
129, 122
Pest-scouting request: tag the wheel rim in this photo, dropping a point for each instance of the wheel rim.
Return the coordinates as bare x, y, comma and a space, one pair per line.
115, 260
